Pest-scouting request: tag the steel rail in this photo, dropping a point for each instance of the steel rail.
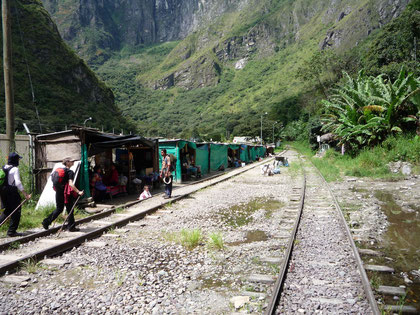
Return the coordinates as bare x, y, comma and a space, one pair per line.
112, 209
66, 245
365, 280
278, 286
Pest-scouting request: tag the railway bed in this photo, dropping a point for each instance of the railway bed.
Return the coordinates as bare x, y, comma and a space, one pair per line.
46, 243
258, 217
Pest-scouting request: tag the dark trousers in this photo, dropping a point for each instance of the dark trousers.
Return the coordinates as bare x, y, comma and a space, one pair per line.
168, 187
59, 200
10, 202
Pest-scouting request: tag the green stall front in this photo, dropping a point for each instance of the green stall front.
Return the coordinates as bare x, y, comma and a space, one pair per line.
261, 151
174, 147
202, 158
252, 153
218, 156
244, 153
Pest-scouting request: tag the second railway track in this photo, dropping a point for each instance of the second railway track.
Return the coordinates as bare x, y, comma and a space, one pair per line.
45, 243
325, 272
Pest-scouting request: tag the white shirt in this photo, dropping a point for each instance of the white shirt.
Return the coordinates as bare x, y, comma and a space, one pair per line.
14, 177
145, 194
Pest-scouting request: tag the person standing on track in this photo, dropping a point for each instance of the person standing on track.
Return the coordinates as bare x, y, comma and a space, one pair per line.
10, 194
165, 173
64, 194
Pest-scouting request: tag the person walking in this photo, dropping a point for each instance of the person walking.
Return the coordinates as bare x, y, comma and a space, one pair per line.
165, 173
65, 192
10, 196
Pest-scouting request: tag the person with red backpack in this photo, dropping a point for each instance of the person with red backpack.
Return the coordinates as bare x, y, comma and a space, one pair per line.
10, 196
65, 193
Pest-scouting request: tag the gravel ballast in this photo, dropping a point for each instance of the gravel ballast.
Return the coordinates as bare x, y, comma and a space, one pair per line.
144, 271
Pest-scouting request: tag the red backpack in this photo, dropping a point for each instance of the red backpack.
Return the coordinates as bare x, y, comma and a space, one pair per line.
58, 177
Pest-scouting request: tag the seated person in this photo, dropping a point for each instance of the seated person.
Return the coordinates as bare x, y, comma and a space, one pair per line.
112, 178
230, 161
236, 162
191, 167
98, 185
184, 164
145, 194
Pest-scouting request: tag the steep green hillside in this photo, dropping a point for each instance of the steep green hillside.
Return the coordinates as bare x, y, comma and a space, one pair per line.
218, 81
66, 91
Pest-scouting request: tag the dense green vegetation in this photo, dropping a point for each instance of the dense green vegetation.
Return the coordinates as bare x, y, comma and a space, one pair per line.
370, 162
288, 82
65, 90
365, 111
287, 77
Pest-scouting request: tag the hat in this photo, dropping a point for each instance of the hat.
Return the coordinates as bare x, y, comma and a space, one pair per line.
13, 159
68, 159
167, 180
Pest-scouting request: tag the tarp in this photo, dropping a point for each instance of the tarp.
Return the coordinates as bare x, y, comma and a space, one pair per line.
182, 143
84, 173
244, 153
218, 156
252, 153
260, 151
202, 158
47, 197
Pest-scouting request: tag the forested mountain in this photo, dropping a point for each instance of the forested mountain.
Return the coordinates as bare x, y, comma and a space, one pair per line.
65, 91
210, 68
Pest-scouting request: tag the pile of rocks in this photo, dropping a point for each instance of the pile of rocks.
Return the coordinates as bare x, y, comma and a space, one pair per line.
404, 168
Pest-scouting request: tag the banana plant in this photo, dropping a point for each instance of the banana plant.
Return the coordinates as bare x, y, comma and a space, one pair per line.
365, 110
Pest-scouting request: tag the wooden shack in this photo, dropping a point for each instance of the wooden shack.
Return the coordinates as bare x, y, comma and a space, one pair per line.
138, 154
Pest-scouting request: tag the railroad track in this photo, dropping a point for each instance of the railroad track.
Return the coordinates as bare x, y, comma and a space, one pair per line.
32, 235
321, 208
307, 200
382, 290
45, 244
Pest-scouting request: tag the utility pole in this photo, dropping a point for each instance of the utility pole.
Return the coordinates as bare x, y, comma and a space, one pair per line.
261, 140
273, 134
8, 74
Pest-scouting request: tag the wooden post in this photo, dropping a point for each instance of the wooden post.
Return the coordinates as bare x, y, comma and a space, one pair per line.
8, 74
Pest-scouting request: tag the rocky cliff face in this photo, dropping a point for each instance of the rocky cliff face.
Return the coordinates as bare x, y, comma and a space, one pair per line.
93, 27
65, 89
258, 29
345, 24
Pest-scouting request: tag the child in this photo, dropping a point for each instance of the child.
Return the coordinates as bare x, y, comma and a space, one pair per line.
145, 194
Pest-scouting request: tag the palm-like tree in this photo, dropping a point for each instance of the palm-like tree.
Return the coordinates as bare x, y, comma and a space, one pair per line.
365, 110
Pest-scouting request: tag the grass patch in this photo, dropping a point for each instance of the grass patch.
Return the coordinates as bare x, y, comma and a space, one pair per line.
187, 238
112, 230
274, 268
14, 245
371, 162
215, 241
191, 238
30, 265
120, 277
375, 280
119, 210
294, 169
